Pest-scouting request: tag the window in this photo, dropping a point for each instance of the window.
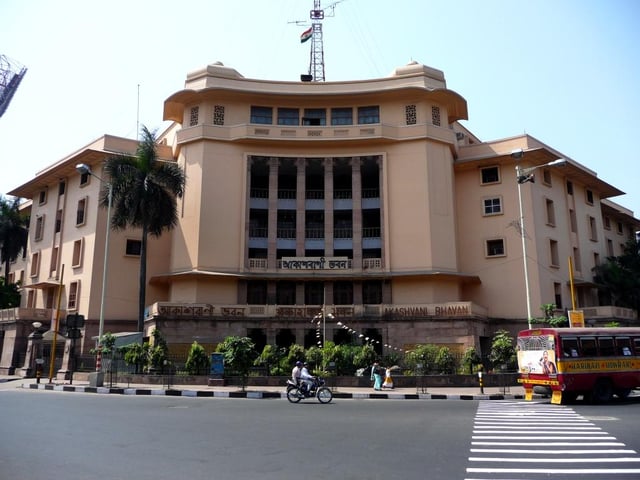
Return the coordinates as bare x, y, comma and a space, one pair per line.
313, 293
619, 228
256, 292
42, 197
551, 213
193, 116
84, 179
435, 115
368, 115
609, 247
133, 247
341, 116
557, 294
372, 292
589, 195
286, 293
570, 347
606, 347
35, 264
343, 293
596, 259
623, 346
262, 115
54, 260
58, 221
495, 248
288, 116
553, 252
593, 229
80, 211
410, 115
607, 223
569, 188
74, 294
39, 227
573, 221
577, 261
61, 188
31, 299
218, 115
492, 206
588, 347
76, 260
546, 177
489, 175
314, 116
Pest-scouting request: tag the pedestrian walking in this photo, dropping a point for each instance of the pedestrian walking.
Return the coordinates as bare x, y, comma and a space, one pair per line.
376, 376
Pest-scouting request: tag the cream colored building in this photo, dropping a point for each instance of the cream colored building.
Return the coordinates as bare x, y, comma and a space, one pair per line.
367, 197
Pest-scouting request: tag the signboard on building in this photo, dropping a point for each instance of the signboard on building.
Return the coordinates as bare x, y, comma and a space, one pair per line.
576, 318
315, 263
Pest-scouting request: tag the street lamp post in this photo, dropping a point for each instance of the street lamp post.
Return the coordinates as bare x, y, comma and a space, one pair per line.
524, 175
85, 169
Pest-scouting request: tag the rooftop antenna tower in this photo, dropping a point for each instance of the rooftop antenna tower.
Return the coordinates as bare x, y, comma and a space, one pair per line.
316, 57
11, 74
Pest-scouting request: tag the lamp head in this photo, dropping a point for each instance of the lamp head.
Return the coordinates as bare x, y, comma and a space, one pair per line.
519, 153
561, 162
83, 168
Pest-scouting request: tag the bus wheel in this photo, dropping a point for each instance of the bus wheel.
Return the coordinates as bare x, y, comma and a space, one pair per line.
623, 392
602, 391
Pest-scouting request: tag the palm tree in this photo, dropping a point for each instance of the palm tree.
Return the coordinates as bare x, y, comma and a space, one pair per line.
13, 233
145, 190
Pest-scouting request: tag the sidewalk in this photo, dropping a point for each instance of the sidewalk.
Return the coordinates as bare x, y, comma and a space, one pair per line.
263, 392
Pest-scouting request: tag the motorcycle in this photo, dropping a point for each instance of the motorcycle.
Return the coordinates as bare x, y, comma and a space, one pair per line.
296, 392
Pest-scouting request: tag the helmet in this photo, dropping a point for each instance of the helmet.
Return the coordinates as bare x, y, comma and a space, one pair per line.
306, 364
298, 363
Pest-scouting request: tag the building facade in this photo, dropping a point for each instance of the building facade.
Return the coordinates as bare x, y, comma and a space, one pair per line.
364, 210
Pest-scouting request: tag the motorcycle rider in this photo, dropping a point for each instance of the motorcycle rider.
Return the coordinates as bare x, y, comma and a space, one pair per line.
296, 372
307, 378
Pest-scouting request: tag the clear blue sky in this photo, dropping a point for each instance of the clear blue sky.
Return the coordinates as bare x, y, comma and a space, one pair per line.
565, 71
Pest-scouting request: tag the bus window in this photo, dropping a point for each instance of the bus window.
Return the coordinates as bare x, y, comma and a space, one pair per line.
623, 346
588, 346
605, 345
569, 347
636, 345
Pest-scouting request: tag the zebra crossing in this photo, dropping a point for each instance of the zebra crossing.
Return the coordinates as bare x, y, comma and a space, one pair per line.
532, 441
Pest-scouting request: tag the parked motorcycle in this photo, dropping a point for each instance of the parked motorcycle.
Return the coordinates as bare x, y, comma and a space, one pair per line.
296, 392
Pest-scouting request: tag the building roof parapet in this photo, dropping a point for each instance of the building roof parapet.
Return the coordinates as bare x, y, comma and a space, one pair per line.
216, 80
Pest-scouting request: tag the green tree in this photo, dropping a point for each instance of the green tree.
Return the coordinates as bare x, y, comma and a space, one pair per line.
445, 362
158, 352
137, 355
365, 356
422, 359
503, 351
13, 233
239, 354
549, 316
9, 295
470, 359
198, 362
619, 277
145, 190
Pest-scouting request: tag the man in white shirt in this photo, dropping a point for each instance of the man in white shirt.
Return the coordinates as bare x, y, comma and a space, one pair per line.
295, 373
306, 377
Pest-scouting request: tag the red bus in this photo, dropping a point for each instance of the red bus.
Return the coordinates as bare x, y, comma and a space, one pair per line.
594, 362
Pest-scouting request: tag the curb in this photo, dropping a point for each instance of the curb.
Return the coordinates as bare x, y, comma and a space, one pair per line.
265, 394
